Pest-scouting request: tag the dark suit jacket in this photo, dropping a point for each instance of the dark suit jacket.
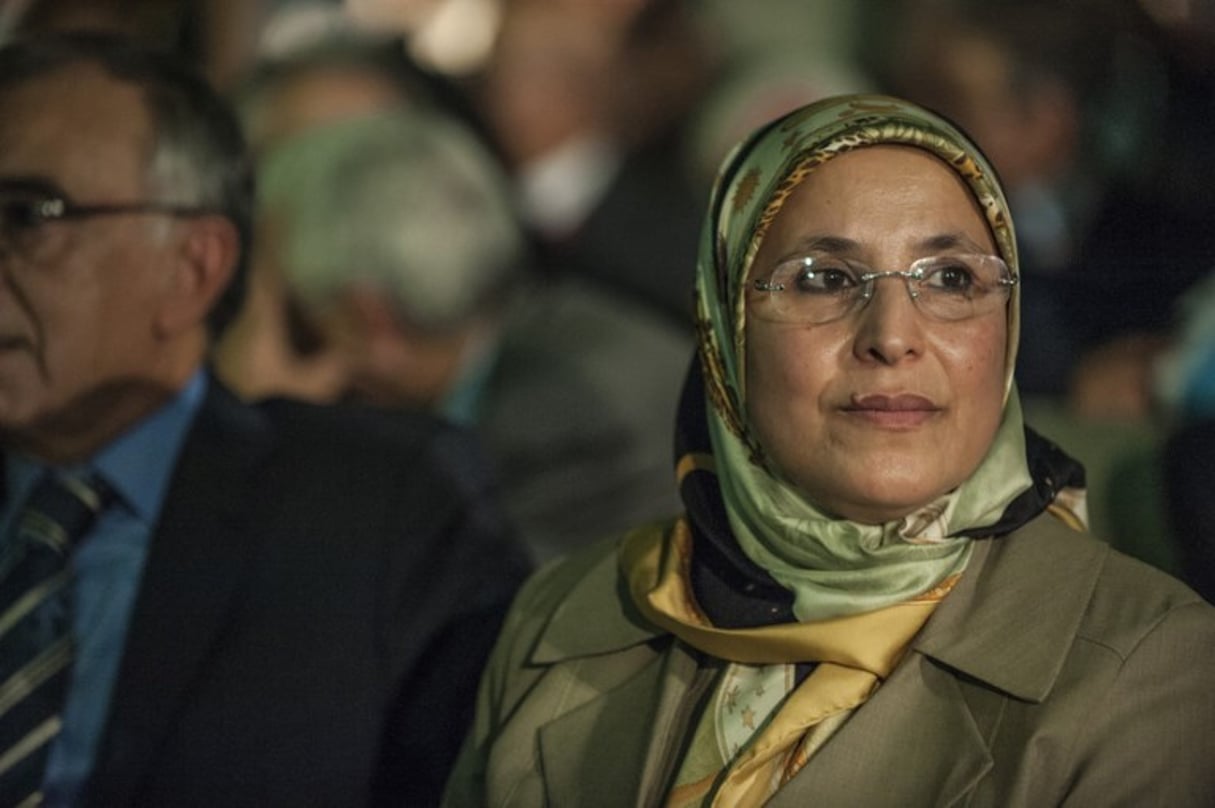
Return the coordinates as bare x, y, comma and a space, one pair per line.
318, 599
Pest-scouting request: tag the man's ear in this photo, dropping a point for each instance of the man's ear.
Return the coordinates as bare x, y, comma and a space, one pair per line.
204, 262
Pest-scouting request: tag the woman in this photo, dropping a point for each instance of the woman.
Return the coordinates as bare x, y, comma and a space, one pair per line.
881, 592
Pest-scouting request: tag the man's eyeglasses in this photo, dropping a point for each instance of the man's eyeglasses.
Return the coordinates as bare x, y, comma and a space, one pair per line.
25, 212
817, 289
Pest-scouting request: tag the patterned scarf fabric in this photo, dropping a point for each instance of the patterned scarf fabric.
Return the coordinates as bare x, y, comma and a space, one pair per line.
764, 720
812, 611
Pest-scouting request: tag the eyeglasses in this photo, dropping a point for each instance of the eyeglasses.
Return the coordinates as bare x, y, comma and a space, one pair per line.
27, 208
816, 289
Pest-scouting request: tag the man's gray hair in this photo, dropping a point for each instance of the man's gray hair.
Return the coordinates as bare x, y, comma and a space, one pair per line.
407, 202
199, 158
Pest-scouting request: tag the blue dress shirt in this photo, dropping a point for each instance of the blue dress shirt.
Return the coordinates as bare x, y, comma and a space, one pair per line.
108, 563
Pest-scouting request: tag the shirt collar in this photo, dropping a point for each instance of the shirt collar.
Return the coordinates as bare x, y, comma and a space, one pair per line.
137, 464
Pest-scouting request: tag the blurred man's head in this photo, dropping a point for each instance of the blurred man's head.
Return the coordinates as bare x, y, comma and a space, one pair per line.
125, 200
1015, 75
397, 233
325, 83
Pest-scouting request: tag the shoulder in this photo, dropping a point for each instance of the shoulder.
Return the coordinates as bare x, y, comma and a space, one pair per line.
313, 427
1118, 598
1089, 670
573, 608
1124, 598
414, 489
358, 470
1108, 661
1046, 603
352, 424
397, 445
1132, 600
577, 587
571, 636
1147, 643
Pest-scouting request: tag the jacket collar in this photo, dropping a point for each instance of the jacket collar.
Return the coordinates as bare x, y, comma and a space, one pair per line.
1012, 618
1008, 622
1003, 632
1006, 627
597, 617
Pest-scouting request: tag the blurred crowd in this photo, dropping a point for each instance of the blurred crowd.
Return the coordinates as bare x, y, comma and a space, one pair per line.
490, 209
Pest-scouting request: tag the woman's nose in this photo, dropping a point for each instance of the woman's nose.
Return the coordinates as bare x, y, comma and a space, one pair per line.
889, 327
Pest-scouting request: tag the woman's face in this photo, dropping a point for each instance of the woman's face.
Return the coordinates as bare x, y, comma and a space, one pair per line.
881, 412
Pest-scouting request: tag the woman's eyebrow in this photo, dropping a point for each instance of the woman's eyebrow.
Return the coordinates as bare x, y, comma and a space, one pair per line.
949, 241
826, 244
840, 245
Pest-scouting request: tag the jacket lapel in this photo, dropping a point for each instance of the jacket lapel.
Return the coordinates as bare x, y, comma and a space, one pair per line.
879, 758
612, 748
596, 618
196, 558
639, 689
1014, 615
1003, 633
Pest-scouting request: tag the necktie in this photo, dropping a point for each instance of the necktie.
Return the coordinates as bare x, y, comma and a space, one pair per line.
35, 628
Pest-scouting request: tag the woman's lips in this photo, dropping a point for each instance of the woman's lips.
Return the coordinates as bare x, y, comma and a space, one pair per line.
904, 411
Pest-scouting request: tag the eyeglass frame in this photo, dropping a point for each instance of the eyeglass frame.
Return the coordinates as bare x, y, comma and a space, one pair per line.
867, 282
64, 210
56, 206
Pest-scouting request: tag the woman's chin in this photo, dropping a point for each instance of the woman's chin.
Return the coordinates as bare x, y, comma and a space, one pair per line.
879, 496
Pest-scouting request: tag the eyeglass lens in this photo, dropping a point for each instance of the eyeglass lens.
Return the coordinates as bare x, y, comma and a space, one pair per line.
819, 290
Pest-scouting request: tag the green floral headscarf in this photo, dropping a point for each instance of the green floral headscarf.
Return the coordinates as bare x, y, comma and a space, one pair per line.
836, 567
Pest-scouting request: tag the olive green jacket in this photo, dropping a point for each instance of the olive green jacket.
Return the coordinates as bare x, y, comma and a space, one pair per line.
1058, 672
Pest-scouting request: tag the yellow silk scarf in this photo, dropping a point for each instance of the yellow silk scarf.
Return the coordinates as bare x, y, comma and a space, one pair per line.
854, 654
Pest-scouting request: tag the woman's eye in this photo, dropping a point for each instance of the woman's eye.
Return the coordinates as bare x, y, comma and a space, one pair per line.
819, 279
953, 277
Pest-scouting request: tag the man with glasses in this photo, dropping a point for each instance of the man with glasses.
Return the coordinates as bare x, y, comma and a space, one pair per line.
201, 602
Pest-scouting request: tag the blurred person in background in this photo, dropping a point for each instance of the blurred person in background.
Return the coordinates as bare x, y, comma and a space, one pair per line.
586, 100
1016, 79
272, 348
1096, 143
204, 602
317, 63
1061, 96
750, 90
395, 235
770, 57
1185, 392
341, 75
157, 22
1189, 479
1184, 376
